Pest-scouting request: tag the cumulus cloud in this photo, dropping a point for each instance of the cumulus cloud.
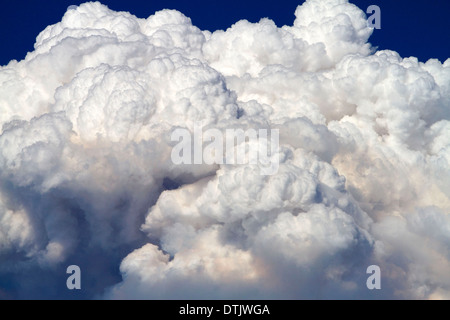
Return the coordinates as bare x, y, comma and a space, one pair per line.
86, 175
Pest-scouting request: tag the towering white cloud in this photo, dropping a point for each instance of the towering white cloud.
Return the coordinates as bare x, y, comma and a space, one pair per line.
86, 175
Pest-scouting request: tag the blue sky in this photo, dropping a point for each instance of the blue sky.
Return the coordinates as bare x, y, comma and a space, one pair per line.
411, 27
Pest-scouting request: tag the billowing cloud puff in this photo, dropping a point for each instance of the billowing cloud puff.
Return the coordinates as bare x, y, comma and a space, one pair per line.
87, 175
